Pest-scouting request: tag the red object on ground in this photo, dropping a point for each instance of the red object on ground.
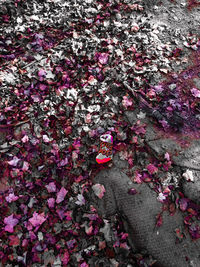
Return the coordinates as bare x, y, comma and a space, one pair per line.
105, 150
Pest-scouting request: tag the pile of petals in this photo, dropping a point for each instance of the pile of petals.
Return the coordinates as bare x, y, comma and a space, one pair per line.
59, 63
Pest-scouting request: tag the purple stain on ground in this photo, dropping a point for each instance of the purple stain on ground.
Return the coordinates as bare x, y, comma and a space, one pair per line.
178, 102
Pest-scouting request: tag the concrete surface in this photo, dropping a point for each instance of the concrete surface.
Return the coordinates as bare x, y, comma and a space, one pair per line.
139, 212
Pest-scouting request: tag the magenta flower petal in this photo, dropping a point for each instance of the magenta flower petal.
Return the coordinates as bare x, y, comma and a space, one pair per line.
25, 139
103, 58
51, 202
41, 73
11, 197
51, 187
14, 161
61, 195
167, 156
195, 92
66, 257
25, 166
10, 223
37, 219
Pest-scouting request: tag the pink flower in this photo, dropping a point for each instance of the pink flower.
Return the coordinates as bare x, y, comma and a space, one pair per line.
37, 219
139, 129
51, 187
51, 202
99, 190
61, 195
152, 169
103, 58
68, 215
55, 150
10, 223
124, 245
11, 197
14, 240
24, 243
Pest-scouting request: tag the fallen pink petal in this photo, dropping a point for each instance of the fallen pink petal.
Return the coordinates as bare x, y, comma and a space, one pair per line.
10, 222
195, 92
25, 139
37, 219
25, 166
152, 169
11, 197
51, 202
61, 195
103, 58
51, 187
14, 161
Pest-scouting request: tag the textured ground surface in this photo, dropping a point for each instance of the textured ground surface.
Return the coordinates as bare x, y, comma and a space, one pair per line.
140, 210
139, 214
